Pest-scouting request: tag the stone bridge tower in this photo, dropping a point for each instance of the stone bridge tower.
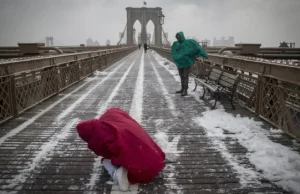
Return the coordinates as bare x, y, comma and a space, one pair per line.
144, 15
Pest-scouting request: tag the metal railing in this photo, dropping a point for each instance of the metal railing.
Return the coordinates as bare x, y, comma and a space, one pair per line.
25, 83
271, 53
270, 89
17, 51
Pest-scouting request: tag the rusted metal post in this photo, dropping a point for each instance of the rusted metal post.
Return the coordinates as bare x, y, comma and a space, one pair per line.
77, 71
105, 60
99, 62
56, 83
258, 95
91, 66
13, 96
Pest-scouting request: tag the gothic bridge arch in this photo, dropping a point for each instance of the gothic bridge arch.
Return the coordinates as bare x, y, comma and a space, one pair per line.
144, 15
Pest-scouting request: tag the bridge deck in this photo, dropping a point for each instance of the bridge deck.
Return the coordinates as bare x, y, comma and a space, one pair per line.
40, 152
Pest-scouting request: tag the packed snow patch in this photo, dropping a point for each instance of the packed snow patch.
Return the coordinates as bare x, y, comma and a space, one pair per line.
276, 131
277, 163
162, 141
98, 73
170, 148
171, 180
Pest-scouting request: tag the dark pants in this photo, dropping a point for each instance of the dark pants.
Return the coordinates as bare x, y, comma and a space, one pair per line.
184, 76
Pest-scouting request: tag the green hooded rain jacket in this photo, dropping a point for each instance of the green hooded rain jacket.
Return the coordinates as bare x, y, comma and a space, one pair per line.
186, 51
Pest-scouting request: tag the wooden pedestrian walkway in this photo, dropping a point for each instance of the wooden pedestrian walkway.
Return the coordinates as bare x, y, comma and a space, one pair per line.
40, 151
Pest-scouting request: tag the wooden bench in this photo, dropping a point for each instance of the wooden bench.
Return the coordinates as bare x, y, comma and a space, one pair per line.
217, 82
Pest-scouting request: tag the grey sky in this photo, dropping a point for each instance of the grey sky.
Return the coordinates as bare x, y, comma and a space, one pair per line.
71, 22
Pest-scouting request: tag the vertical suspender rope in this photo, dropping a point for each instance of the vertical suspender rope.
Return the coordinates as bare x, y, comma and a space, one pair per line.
122, 35
165, 36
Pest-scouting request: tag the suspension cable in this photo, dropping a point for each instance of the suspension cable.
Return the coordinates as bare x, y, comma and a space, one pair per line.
165, 37
122, 34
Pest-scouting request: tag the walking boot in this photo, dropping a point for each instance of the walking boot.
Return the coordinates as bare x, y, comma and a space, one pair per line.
184, 93
179, 91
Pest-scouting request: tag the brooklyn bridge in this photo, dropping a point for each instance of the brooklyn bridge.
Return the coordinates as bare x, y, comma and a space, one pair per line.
237, 130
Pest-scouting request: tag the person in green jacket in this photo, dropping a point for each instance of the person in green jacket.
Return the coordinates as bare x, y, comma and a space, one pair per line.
184, 53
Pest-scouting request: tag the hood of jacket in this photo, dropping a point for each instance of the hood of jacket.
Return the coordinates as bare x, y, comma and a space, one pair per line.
181, 34
85, 129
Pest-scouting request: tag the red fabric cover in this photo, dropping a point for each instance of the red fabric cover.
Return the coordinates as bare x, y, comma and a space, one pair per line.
118, 137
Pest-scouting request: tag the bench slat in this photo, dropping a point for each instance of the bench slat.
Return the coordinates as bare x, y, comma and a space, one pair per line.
227, 82
210, 86
214, 75
227, 79
218, 71
229, 75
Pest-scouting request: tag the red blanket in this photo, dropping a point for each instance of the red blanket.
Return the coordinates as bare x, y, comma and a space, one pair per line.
118, 137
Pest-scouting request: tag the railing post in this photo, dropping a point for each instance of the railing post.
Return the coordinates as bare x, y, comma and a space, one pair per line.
259, 95
82, 68
105, 60
77, 71
13, 96
112, 57
99, 62
91, 64
57, 79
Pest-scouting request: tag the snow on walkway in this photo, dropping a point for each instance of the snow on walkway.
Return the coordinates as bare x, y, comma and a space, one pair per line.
44, 150
97, 164
136, 109
136, 112
170, 148
276, 162
184, 126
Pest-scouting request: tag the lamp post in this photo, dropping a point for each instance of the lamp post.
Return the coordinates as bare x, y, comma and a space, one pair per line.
161, 17
134, 39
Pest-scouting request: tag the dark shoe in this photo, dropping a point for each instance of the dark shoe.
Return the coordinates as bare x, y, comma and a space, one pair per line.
184, 93
179, 91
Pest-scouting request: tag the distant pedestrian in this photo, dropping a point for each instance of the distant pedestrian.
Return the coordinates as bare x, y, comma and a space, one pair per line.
146, 47
140, 46
184, 53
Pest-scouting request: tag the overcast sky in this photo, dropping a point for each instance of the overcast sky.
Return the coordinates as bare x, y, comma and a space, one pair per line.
71, 22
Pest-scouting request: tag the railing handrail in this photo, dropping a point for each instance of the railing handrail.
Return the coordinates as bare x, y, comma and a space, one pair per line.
279, 71
11, 67
63, 55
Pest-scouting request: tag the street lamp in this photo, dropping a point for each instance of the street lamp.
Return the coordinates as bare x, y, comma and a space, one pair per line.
161, 18
134, 39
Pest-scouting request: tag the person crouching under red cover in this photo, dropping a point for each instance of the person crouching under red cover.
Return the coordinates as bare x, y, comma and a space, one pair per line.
130, 155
